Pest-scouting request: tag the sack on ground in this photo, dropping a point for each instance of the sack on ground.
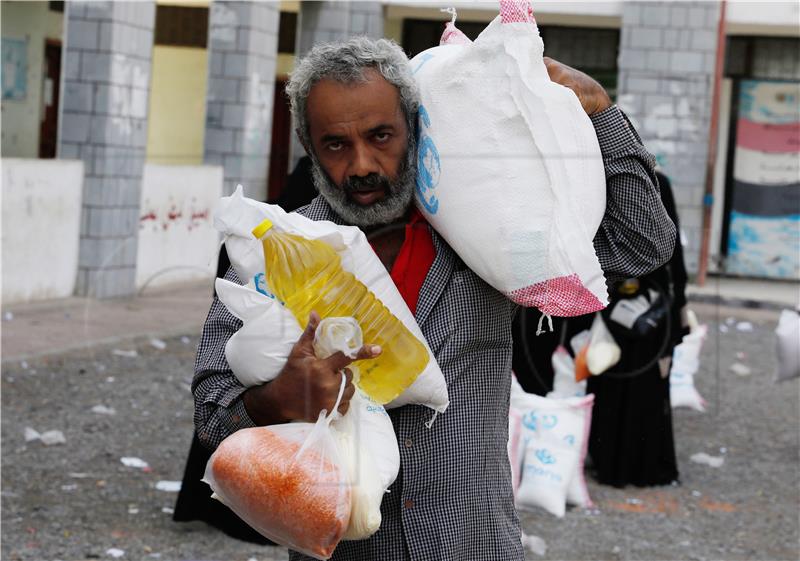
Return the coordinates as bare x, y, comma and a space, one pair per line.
555, 436
235, 217
509, 167
685, 364
788, 342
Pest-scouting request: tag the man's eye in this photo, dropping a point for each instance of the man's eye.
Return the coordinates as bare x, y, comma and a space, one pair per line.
335, 146
382, 136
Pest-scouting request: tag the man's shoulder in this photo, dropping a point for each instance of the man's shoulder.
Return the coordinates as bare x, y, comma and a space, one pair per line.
319, 209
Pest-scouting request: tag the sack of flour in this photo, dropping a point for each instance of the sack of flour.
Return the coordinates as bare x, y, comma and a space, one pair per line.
236, 216
509, 167
555, 439
259, 349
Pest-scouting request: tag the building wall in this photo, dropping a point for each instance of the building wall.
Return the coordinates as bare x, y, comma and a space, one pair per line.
177, 239
177, 105
32, 22
41, 216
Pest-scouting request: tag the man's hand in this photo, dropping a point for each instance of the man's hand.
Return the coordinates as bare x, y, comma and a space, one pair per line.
592, 96
306, 385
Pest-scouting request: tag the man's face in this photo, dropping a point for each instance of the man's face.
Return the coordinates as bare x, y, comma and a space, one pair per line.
360, 141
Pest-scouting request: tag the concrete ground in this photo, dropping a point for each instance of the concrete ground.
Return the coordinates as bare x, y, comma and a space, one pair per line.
77, 500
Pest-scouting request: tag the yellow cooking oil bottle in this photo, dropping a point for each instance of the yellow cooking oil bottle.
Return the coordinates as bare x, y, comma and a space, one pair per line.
307, 275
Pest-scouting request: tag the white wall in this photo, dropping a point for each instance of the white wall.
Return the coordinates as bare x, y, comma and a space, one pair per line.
41, 213
32, 22
177, 239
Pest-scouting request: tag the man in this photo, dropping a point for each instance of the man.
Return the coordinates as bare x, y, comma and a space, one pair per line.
355, 104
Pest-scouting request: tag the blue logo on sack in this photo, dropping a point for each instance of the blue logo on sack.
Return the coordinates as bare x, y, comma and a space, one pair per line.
428, 165
549, 421
570, 439
530, 421
544, 456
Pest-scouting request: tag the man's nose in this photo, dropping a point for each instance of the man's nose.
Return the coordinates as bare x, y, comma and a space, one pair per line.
363, 162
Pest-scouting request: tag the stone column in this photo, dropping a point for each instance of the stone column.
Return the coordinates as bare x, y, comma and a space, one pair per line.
666, 81
242, 54
320, 22
106, 81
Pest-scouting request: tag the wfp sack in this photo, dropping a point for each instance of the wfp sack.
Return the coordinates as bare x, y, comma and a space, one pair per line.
509, 167
788, 345
555, 437
235, 217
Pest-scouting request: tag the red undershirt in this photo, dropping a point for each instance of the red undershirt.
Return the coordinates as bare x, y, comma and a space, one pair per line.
414, 259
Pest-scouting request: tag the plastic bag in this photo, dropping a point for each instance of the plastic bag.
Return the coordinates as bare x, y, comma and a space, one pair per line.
603, 352
236, 215
531, 238
286, 481
685, 364
564, 383
366, 437
788, 343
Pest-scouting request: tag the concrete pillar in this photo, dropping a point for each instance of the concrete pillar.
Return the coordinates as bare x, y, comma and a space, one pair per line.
106, 81
242, 54
320, 22
666, 80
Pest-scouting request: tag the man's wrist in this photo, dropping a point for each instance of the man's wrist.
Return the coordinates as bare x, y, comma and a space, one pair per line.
264, 404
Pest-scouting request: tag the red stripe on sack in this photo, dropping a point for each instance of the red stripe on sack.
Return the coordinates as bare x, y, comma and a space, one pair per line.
562, 296
765, 137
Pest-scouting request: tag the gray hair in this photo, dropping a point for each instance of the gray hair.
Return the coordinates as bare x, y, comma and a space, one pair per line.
345, 62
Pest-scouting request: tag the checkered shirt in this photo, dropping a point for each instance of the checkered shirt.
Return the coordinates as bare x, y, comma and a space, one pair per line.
453, 499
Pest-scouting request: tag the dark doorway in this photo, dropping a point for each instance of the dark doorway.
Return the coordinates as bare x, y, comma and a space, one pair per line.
281, 135
48, 134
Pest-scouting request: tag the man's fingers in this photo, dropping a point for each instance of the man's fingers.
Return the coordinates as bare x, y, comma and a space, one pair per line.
337, 361
307, 337
368, 351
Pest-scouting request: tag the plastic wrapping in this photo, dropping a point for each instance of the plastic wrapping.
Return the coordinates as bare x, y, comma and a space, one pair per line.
287, 482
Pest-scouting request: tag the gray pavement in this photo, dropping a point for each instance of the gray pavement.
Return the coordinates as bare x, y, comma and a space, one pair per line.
77, 501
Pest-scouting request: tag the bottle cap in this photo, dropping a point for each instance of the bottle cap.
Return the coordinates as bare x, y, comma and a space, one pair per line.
262, 228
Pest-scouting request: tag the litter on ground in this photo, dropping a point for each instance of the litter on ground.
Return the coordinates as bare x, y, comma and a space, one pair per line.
705, 459
133, 462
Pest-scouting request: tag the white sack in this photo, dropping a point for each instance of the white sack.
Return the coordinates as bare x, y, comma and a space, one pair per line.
257, 352
235, 217
564, 384
788, 342
509, 167
555, 435
685, 364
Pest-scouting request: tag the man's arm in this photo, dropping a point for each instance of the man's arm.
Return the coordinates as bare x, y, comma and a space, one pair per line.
636, 235
218, 408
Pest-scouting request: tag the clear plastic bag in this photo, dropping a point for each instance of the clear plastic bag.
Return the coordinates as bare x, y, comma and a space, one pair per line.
603, 351
365, 435
286, 481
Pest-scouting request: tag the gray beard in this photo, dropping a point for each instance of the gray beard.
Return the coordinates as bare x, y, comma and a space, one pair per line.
392, 207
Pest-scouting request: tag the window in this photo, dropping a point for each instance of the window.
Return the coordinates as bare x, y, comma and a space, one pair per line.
181, 26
